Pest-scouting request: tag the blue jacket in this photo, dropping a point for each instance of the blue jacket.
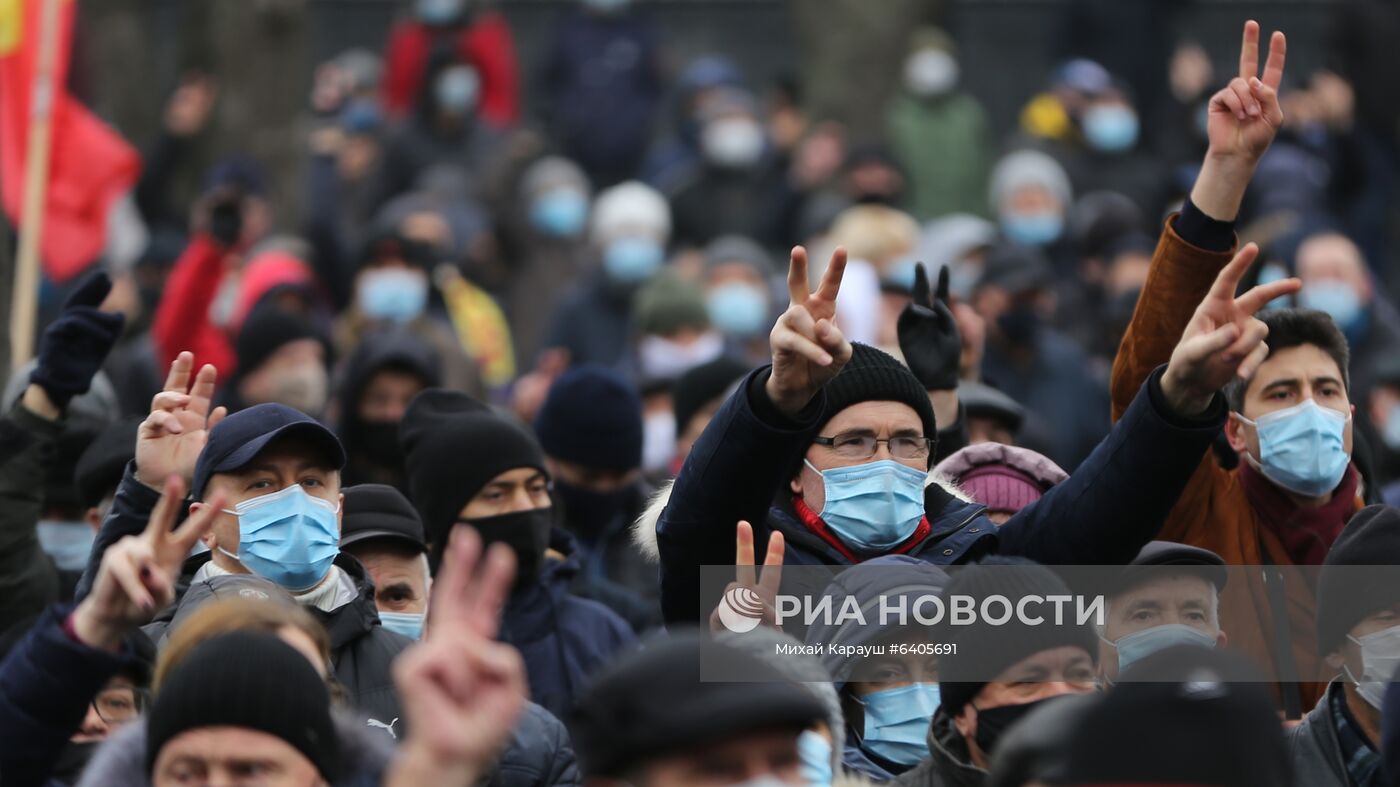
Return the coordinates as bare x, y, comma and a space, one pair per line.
561, 637
46, 683
1101, 515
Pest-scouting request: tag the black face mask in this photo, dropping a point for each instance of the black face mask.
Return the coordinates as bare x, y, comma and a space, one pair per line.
74, 757
1019, 325
994, 722
587, 513
527, 535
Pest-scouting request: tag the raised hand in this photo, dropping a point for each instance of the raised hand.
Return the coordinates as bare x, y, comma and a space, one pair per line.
138, 573
75, 346
1223, 339
171, 437
462, 691
808, 348
1244, 116
746, 575
928, 334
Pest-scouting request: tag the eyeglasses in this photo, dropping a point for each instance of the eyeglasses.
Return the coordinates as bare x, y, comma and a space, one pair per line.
120, 704
859, 445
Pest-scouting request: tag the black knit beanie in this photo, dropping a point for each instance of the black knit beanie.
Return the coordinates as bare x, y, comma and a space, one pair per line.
875, 376
1360, 575
453, 446
250, 680
267, 330
700, 386
592, 417
984, 650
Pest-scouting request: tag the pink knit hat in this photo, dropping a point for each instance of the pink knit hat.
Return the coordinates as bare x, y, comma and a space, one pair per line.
1003, 478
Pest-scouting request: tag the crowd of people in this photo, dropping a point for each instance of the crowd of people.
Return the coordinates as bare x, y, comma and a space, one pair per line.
422, 490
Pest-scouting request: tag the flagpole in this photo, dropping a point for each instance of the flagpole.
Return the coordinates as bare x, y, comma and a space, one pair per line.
24, 299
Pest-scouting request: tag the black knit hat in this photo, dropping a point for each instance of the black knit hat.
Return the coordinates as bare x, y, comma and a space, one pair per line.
453, 446
1184, 715
250, 680
268, 329
380, 512
1360, 575
652, 703
702, 385
592, 417
875, 376
985, 650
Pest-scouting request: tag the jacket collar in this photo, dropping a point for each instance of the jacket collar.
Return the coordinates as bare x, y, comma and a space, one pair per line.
950, 755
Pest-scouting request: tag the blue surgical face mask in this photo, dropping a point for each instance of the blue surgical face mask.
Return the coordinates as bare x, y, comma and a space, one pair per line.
632, 260
738, 309
1033, 229
439, 12
1338, 299
897, 721
1302, 448
607, 5
875, 506
288, 537
1111, 128
409, 624
394, 294
68, 543
1390, 435
1269, 273
560, 213
814, 751
1140, 644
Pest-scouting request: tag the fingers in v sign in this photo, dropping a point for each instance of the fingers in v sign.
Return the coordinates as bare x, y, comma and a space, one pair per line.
928, 334
1223, 339
808, 348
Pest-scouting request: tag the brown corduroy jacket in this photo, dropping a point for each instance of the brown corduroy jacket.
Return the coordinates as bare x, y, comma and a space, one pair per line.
1213, 511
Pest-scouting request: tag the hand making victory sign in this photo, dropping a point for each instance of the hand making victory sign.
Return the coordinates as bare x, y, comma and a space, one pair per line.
1224, 338
138, 573
808, 349
747, 576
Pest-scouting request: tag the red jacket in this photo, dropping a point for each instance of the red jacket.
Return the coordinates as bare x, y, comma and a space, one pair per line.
182, 319
486, 44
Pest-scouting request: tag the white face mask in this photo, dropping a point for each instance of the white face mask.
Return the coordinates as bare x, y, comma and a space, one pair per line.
664, 359
304, 387
1380, 654
658, 440
732, 142
930, 72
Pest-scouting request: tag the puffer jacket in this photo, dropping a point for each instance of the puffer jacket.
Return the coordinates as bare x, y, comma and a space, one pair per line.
561, 637
1103, 514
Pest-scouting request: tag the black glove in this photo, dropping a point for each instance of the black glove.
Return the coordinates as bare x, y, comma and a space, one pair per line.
928, 334
76, 344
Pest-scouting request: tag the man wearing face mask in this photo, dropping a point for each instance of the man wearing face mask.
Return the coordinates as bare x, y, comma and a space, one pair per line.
735, 187
1358, 632
738, 295
387, 370
1030, 195
382, 530
472, 35
1109, 157
1291, 420
1169, 595
1336, 280
592, 431
939, 132
832, 445
550, 230
999, 673
469, 467
279, 473
886, 701
283, 358
630, 228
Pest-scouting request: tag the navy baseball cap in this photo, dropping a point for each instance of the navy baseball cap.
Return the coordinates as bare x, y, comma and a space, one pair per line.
240, 437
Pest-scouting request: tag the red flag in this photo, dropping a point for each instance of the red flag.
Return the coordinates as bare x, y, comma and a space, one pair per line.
90, 165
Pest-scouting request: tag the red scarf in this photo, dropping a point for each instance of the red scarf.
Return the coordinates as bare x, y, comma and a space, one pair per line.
1306, 533
815, 524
